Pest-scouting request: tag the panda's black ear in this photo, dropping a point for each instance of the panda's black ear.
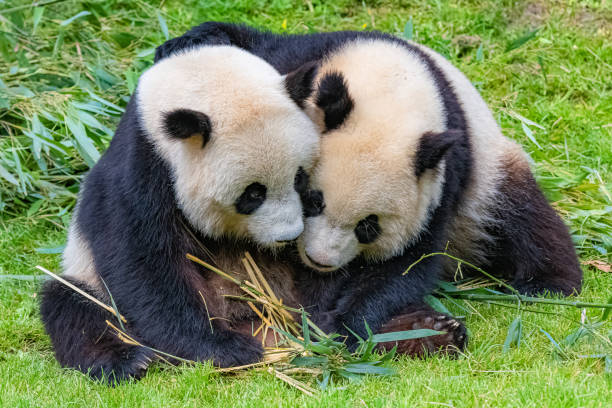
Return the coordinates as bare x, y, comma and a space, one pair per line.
334, 100
433, 147
186, 123
299, 83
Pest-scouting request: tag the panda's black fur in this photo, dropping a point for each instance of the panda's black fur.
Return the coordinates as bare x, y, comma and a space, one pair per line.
530, 246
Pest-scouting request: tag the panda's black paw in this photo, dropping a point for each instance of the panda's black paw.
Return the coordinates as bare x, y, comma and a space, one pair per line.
453, 340
237, 349
130, 363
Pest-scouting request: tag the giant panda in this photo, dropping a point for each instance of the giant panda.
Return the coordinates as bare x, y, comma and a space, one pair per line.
412, 162
210, 158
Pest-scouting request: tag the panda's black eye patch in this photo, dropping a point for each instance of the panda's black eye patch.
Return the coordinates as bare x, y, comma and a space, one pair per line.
301, 181
313, 203
252, 197
368, 229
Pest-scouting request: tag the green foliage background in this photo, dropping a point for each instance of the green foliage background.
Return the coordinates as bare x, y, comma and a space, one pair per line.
544, 67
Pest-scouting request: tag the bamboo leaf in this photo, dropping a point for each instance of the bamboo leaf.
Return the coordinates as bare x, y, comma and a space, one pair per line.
35, 207
163, 25
75, 17
325, 380
114, 306
409, 29
305, 328
349, 375
390, 355
572, 338
529, 135
85, 146
405, 335
368, 368
309, 361
54, 250
145, 53
5, 174
522, 40
514, 335
36, 17
480, 53
437, 305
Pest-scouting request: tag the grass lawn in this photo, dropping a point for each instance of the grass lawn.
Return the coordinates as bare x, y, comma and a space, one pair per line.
545, 69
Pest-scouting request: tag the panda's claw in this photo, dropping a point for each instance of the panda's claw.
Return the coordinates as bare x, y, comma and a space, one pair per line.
450, 342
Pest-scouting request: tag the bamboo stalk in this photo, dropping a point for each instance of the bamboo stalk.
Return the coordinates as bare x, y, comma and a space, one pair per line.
212, 268
461, 261
522, 298
293, 382
260, 276
81, 292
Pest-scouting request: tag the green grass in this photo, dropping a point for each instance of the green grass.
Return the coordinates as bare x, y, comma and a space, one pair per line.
63, 81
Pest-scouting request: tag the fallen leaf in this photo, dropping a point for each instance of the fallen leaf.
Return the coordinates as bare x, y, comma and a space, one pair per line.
601, 265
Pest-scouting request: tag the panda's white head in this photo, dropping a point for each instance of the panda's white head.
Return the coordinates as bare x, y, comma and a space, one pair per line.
238, 145
381, 168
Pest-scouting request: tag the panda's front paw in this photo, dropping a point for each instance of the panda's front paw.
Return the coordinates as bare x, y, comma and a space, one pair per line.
453, 340
236, 350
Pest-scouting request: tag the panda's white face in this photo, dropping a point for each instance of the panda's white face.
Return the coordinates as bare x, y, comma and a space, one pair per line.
237, 145
374, 204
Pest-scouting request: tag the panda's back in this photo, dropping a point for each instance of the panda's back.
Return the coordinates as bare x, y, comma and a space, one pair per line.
493, 154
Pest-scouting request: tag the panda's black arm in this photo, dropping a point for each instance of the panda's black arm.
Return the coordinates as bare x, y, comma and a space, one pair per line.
377, 292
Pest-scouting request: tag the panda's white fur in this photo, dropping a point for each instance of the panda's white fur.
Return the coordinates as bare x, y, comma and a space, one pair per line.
77, 260
366, 165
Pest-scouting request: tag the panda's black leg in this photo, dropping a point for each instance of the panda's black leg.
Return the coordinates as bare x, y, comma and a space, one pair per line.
533, 246
82, 339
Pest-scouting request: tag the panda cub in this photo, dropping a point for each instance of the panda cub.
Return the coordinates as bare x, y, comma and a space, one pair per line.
209, 158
